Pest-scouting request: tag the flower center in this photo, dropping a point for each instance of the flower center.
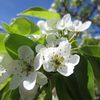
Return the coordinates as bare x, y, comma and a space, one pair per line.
27, 68
57, 61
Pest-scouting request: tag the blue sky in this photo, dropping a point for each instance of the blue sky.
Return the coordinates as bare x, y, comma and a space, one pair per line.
10, 8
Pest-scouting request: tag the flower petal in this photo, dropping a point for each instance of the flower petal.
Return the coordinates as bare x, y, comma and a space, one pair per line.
41, 78
64, 48
51, 39
6, 60
66, 70
69, 66
74, 59
27, 94
38, 61
30, 81
77, 23
4, 77
65, 21
39, 47
15, 82
48, 67
26, 53
84, 26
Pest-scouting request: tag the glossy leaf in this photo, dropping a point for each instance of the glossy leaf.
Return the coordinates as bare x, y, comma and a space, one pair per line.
14, 41
78, 86
91, 50
40, 13
22, 26
95, 62
91, 47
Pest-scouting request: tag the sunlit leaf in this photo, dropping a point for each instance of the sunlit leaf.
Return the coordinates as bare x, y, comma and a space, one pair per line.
40, 13
22, 26
2, 46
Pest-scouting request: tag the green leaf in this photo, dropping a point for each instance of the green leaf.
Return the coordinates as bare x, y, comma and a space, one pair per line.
91, 47
78, 86
14, 41
40, 13
6, 95
2, 46
22, 26
48, 91
95, 62
7, 27
85, 79
15, 94
91, 41
91, 50
4, 83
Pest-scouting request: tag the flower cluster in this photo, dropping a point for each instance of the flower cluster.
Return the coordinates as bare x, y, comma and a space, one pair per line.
54, 56
65, 24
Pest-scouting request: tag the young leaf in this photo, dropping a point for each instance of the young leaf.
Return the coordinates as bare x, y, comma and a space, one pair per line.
40, 13
7, 27
2, 47
22, 26
14, 41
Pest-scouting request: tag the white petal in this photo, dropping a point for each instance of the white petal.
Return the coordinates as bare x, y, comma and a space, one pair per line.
43, 25
52, 23
77, 23
30, 81
66, 70
58, 41
67, 19
41, 79
48, 67
15, 82
84, 26
51, 40
1, 58
71, 27
63, 22
4, 77
2, 70
38, 61
74, 59
52, 10
15, 67
64, 48
27, 94
38, 47
26, 53
6, 60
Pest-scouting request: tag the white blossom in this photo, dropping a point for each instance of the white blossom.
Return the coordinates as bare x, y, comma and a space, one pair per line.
78, 26
30, 94
58, 59
22, 70
64, 22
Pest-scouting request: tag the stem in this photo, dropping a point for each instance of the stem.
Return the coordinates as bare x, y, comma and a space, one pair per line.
39, 92
73, 36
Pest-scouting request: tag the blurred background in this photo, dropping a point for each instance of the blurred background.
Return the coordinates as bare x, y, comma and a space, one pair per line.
81, 9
